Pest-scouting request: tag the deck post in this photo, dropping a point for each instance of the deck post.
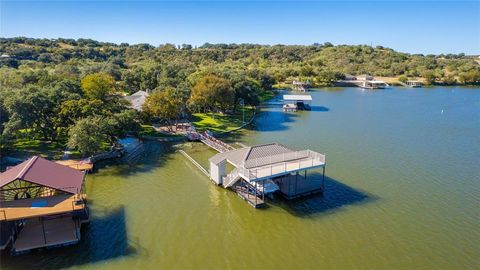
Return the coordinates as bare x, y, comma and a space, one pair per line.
296, 180
263, 190
43, 230
323, 179
256, 193
289, 183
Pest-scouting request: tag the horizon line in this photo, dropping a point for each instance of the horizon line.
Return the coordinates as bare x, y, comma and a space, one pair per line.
372, 45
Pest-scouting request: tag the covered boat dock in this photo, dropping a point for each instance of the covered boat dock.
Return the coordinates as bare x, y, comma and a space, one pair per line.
41, 205
267, 168
292, 103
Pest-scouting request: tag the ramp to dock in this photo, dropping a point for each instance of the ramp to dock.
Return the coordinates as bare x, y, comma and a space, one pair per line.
215, 143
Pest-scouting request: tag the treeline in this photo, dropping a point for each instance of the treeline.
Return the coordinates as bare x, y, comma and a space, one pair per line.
143, 66
71, 90
84, 114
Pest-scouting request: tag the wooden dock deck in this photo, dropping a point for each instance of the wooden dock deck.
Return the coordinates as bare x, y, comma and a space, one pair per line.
58, 232
77, 164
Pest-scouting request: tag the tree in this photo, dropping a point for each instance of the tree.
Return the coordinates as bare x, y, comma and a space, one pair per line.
32, 108
165, 105
212, 92
87, 135
267, 81
120, 124
449, 80
403, 79
76, 109
328, 77
470, 77
248, 90
98, 86
429, 77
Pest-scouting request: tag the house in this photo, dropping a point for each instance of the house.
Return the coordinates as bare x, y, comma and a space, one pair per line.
42, 204
350, 77
137, 99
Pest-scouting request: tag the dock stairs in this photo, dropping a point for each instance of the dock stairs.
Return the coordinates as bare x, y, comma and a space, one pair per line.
133, 155
231, 178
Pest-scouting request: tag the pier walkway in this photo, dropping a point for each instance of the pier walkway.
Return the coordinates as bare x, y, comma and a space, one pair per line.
215, 143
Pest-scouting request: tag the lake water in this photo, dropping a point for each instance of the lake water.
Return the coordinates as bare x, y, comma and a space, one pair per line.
403, 192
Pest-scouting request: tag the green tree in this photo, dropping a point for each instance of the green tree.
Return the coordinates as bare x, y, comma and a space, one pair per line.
164, 105
212, 92
470, 77
328, 77
403, 78
430, 77
34, 109
98, 86
120, 124
449, 80
247, 90
87, 135
267, 81
76, 109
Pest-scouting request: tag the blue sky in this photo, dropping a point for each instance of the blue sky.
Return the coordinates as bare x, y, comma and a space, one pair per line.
414, 27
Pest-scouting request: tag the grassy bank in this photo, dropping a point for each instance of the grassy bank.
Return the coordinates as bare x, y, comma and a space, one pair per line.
266, 95
28, 147
218, 122
148, 130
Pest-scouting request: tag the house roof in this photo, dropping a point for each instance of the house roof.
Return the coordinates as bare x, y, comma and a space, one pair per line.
137, 99
297, 97
45, 173
239, 156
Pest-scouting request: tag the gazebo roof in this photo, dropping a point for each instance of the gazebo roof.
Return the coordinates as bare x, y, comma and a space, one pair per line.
44, 172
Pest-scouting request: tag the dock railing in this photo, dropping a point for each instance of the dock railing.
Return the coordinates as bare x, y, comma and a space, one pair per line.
78, 198
280, 163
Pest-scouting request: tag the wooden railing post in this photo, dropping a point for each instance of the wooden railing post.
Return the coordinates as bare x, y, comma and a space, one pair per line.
43, 229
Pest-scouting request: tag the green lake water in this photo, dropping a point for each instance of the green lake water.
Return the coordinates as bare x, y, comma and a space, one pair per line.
402, 192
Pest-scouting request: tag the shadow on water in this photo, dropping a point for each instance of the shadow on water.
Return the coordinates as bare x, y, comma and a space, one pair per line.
156, 154
277, 121
105, 238
337, 195
319, 109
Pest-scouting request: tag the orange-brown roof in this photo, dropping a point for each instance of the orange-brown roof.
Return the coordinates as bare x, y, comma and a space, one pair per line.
45, 173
